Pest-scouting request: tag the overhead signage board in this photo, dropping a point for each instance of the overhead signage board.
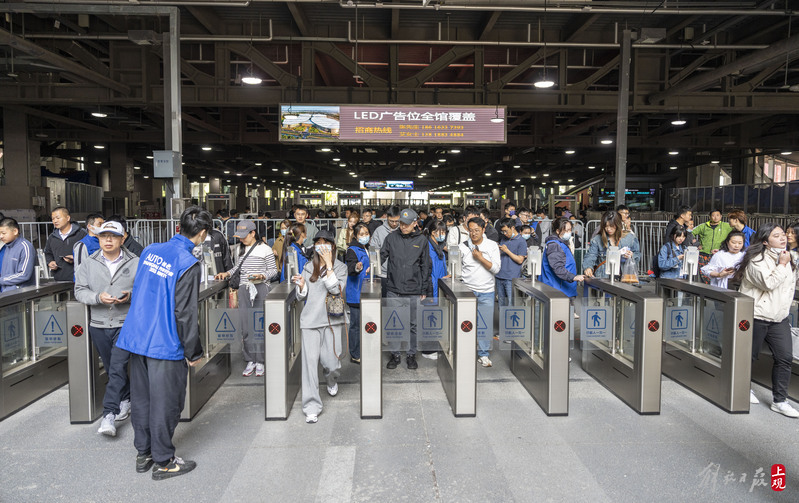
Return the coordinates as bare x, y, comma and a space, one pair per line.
312, 197
349, 197
387, 185
392, 124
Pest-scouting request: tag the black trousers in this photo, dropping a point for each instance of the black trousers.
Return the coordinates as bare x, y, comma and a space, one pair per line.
158, 390
116, 366
777, 336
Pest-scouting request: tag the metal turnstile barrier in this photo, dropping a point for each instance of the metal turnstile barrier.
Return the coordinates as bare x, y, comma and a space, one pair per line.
707, 343
87, 376
282, 350
540, 357
456, 363
371, 351
33, 340
206, 377
620, 334
761, 368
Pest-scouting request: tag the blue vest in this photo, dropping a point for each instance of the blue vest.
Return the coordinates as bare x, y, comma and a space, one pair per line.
439, 269
354, 283
301, 261
92, 243
150, 329
548, 276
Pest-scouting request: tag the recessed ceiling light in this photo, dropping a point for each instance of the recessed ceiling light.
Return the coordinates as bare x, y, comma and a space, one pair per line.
569, 152
99, 115
673, 152
255, 178
678, 122
468, 179
336, 159
606, 141
207, 148
555, 181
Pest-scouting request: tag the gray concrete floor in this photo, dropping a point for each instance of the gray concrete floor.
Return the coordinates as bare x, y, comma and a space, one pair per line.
603, 451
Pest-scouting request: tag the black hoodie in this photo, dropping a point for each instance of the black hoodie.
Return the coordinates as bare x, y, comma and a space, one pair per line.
57, 248
408, 263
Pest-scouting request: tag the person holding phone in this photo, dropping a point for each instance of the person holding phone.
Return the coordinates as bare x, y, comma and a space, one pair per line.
768, 275
104, 282
58, 248
722, 265
321, 333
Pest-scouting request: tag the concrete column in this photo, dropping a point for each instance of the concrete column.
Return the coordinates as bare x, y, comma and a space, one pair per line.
21, 162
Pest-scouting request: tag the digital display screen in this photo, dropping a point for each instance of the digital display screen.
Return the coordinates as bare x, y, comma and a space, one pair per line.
392, 124
387, 185
635, 199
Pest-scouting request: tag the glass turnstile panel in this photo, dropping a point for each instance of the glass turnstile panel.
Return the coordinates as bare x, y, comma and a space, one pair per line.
399, 319
625, 328
50, 323
711, 321
16, 336
433, 324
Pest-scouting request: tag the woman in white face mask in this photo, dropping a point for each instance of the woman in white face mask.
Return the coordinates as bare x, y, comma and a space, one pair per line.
558, 267
277, 247
321, 330
768, 275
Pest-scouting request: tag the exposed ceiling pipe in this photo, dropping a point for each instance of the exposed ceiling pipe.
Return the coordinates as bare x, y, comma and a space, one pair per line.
183, 38
591, 45
161, 3
746, 64
585, 8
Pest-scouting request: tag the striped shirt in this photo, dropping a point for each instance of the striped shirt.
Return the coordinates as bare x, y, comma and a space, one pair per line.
260, 261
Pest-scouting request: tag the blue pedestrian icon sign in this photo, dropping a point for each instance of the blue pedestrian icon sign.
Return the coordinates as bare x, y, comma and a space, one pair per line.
680, 323
598, 319
514, 324
431, 322
432, 319
597, 323
225, 324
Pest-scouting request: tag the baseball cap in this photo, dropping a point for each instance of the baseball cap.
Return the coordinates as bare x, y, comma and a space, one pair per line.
112, 228
243, 228
324, 234
408, 216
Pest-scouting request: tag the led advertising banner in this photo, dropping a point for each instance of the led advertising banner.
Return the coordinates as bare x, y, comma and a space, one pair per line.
392, 124
387, 185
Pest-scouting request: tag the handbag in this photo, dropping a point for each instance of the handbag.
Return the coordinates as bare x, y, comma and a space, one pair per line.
334, 303
235, 276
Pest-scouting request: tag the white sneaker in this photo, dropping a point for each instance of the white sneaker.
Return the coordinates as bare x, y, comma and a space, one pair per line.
124, 410
259, 370
784, 408
332, 390
311, 418
484, 361
107, 425
752, 398
249, 369
430, 356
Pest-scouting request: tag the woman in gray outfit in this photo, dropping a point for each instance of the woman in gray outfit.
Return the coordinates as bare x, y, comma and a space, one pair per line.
321, 334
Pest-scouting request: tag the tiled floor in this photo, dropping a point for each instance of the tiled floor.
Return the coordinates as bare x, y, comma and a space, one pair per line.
603, 451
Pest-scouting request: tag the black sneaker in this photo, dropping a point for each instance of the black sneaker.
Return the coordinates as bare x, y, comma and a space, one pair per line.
175, 467
411, 361
144, 462
394, 361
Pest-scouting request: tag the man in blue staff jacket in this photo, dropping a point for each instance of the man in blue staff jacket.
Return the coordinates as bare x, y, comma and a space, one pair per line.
162, 334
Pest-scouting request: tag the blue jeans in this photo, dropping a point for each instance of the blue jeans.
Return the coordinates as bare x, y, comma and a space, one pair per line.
485, 306
504, 291
355, 331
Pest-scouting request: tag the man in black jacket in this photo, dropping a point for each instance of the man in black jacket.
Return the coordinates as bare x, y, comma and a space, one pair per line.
58, 249
408, 274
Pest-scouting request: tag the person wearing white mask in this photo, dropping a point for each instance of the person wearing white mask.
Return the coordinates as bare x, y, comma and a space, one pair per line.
558, 267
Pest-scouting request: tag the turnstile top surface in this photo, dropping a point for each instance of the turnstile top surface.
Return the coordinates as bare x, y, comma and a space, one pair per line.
698, 288
31, 292
454, 287
633, 293
213, 287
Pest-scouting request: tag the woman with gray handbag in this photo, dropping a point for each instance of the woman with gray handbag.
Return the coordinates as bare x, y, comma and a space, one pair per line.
322, 321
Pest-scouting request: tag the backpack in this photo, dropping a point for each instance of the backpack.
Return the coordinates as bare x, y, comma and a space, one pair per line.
654, 266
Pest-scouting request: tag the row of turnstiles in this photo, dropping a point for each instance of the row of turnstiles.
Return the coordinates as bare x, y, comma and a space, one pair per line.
627, 337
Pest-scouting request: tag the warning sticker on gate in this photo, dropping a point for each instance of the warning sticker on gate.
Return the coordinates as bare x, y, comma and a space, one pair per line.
396, 324
628, 332
51, 328
514, 323
711, 326
597, 323
679, 322
223, 325
432, 325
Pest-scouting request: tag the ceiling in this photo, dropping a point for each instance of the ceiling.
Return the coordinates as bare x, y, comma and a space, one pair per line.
728, 68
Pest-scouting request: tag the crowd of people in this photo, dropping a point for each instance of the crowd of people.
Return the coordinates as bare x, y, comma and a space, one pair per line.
143, 301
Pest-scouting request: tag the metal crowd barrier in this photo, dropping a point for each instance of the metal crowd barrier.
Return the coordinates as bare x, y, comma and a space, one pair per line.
621, 338
33, 339
707, 341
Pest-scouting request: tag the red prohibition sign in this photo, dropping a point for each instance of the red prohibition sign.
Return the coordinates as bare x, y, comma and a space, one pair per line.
744, 325
653, 326
370, 327
76, 330
560, 326
274, 328
466, 326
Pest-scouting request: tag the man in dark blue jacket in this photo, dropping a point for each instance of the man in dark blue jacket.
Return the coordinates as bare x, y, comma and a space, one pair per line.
18, 257
162, 333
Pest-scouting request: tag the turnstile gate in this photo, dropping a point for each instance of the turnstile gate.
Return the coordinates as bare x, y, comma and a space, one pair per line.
371, 351
620, 334
87, 378
456, 363
540, 358
282, 350
707, 343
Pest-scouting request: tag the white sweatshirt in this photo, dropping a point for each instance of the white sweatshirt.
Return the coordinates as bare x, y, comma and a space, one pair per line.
475, 276
720, 261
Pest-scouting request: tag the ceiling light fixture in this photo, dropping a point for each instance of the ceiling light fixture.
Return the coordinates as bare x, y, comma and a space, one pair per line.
606, 141
207, 148
678, 122
786, 153
673, 152
591, 167
714, 162
544, 82
99, 115
672, 167
100, 147
569, 152
496, 119
251, 79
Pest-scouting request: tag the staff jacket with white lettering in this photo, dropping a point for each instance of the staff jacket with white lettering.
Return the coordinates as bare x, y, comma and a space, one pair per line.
162, 321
